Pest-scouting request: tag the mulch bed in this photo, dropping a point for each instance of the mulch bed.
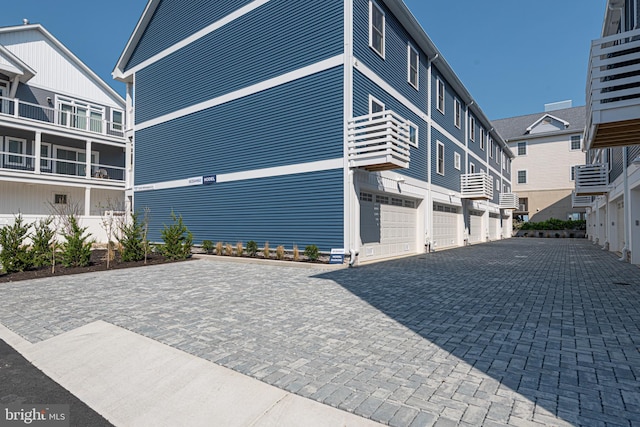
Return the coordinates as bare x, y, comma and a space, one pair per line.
98, 263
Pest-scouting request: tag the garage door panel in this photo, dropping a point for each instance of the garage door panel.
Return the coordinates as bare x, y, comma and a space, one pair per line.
445, 226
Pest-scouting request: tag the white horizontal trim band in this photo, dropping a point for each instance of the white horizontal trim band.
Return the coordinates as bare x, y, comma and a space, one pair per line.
249, 90
198, 35
318, 166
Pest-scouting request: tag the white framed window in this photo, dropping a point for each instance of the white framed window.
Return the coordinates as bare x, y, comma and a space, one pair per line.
376, 28
498, 153
575, 143
72, 161
366, 197
456, 160
522, 177
457, 117
497, 187
483, 136
440, 163
396, 201
413, 134
79, 114
491, 145
375, 105
413, 61
383, 200
4, 92
522, 148
440, 95
45, 156
60, 199
472, 168
15, 151
117, 120
472, 128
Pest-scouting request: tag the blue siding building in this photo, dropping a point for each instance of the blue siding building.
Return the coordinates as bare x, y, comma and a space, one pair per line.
345, 128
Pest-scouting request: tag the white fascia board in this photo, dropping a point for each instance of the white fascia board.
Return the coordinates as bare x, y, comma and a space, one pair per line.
145, 18
537, 122
16, 65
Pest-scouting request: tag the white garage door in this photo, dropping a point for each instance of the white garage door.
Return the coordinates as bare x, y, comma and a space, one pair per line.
387, 226
494, 226
475, 224
445, 226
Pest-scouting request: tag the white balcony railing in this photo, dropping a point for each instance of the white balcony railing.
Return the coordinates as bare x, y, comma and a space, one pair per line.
67, 119
591, 179
509, 201
476, 186
52, 166
378, 142
580, 201
613, 91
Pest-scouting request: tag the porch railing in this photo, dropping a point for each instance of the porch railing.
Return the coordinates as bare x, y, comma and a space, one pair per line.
591, 179
476, 186
509, 201
53, 166
67, 119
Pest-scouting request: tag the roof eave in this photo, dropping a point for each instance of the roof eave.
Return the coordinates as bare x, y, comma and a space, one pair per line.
119, 72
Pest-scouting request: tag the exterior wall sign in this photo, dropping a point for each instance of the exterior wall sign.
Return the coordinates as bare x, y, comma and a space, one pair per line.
337, 256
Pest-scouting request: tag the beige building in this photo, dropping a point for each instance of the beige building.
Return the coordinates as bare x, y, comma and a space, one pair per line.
548, 146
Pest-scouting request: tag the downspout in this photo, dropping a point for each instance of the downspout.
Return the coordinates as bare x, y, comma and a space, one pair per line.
626, 250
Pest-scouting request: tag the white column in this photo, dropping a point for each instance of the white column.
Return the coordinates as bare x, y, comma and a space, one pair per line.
37, 149
87, 201
88, 159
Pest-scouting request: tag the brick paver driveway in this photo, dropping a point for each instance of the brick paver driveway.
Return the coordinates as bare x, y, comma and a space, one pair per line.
518, 332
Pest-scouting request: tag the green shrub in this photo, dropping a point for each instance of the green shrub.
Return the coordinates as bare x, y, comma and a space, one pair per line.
177, 239
15, 255
311, 252
555, 224
42, 243
131, 240
207, 246
252, 248
76, 250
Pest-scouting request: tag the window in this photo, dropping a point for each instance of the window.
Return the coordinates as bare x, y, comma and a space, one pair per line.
409, 204
366, 197
456, 160
80, 115
376, 28
4, 103
491, 145
573, 173
117, 122
60, 199
383, 200
396, 202
45, 157
440, 94
497, 187
413, 134
18, 147
472, 168
483, 135
522, 148
412, 66
440, 165
522, 177
375, 106
472, 128
457, 121
70, 161
497, 153
575, 142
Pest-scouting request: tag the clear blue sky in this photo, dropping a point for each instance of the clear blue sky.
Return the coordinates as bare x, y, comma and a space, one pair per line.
513, 56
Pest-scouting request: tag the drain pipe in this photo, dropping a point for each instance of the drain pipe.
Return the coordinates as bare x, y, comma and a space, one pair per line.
352, 257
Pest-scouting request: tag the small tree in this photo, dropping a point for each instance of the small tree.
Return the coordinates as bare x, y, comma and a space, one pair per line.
312, 252
177, 239
207, 246
252, 248
15, 255
131, 240
76, 250
42, 248
111, 220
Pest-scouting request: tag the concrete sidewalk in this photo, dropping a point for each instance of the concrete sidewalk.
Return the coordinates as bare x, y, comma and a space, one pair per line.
132, 380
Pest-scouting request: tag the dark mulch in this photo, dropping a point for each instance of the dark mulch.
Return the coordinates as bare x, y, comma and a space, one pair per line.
98, 263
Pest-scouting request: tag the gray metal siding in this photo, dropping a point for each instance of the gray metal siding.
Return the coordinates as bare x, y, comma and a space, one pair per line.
496, 190
393, 68
616, 162
451, 177
298, 122
174, 21
278, 38
362, 88
447, 120
300, 209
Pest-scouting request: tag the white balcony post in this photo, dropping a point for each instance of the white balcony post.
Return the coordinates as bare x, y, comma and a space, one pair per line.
87, 201
16, 109
88, 159
38, 151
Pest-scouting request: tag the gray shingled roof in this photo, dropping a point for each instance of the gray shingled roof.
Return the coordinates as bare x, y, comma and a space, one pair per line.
516, 127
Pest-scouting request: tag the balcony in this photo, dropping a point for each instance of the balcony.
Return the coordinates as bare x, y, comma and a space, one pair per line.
613, 91
509, 201
378, 142
14, 108
26, 164
476, 186
591, 180
580, 201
